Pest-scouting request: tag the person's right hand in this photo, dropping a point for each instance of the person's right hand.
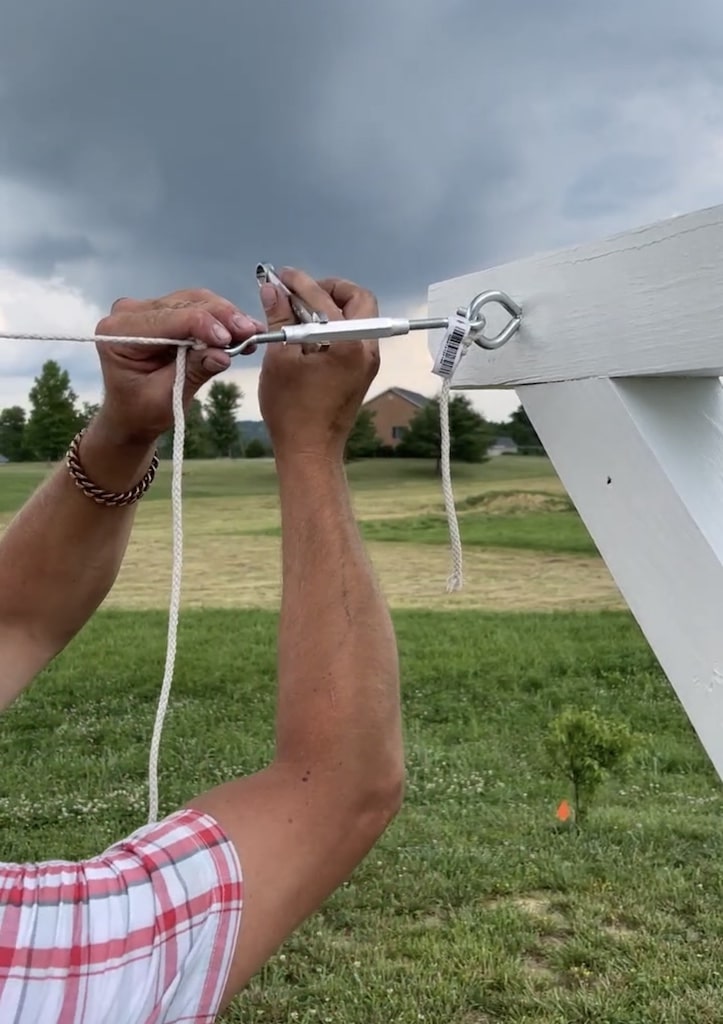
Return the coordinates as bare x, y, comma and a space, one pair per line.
310, 397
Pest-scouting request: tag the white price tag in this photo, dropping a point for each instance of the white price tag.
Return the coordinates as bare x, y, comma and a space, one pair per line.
451, 347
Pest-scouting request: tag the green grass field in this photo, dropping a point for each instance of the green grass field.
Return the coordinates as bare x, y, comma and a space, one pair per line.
475, 908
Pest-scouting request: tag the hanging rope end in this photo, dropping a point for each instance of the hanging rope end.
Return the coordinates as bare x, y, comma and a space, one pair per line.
455, 583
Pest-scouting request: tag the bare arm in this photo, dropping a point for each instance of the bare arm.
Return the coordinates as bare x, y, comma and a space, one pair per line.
60, 556
303, 824
338, 671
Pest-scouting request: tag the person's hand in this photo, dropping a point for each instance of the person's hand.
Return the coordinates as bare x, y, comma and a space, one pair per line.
310, 397
138, 380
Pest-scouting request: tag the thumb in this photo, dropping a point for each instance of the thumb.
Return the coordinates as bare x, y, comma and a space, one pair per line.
276, 306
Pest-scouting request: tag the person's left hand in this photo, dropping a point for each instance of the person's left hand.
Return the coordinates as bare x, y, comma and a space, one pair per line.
137, 405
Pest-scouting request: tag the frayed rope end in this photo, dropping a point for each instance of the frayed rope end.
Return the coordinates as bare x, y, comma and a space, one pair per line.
454, 583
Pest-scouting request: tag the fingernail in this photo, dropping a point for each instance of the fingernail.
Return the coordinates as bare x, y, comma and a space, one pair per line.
268, 296
242, 323
221, 334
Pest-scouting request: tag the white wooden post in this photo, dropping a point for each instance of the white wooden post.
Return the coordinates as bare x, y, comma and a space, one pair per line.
617, 364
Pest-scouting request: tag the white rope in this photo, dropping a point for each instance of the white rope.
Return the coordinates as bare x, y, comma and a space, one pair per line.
179, 431
452, 349
107, 339
456, 579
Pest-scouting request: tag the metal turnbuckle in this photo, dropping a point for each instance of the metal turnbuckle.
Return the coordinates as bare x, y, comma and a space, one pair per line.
315, 327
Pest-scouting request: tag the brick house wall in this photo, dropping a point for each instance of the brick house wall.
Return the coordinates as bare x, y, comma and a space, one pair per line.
393, 410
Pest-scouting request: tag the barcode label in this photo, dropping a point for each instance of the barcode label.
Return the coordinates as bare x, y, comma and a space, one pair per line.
450, 349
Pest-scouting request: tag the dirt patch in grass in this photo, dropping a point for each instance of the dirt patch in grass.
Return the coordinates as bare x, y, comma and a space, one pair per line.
506, 503
619, 931
538, 906
539, 971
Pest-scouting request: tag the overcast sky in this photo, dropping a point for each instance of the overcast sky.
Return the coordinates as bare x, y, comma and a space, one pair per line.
148, 146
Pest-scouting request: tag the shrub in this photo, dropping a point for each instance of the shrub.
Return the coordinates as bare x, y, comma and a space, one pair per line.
256, 449
586, 748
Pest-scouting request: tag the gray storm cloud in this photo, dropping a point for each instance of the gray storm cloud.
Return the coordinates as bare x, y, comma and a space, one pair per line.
151, 146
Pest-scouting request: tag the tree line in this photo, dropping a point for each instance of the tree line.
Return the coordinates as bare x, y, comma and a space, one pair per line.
43, 433
55, 415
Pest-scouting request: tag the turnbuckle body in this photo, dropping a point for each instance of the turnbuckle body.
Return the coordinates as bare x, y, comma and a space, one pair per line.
316, 327
339, 330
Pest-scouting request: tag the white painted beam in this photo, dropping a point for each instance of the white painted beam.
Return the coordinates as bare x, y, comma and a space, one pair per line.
645, 303
643, 462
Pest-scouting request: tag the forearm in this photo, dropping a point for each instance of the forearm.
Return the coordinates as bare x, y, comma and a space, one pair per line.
60, 556
338, 665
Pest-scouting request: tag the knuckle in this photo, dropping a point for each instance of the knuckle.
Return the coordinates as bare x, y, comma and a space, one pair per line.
165, 301
123, 304
220, 308
172, 322
105, 325
184, 297
204, 326
199, 321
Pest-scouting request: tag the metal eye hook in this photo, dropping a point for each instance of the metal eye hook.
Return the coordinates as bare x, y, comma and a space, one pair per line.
479, 323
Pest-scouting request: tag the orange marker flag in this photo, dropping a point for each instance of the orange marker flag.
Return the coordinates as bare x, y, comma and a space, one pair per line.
564, 812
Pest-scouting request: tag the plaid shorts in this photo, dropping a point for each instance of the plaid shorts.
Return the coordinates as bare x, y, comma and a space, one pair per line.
142, 934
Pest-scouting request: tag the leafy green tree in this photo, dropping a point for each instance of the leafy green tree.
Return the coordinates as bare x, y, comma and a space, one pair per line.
585, 748
89, 410
469, 433
12, 433
54, 415
363, 441
222, 403
520, 429
196, 442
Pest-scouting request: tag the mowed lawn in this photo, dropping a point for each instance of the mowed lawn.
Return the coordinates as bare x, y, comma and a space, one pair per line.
475, 908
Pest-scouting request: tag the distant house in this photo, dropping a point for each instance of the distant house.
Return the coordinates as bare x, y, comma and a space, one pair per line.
3, 460
393, 411
502, 446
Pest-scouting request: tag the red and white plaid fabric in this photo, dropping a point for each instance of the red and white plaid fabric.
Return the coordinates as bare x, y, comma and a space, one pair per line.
143, 934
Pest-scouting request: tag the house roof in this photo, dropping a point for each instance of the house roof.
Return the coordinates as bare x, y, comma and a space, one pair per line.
409, 396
